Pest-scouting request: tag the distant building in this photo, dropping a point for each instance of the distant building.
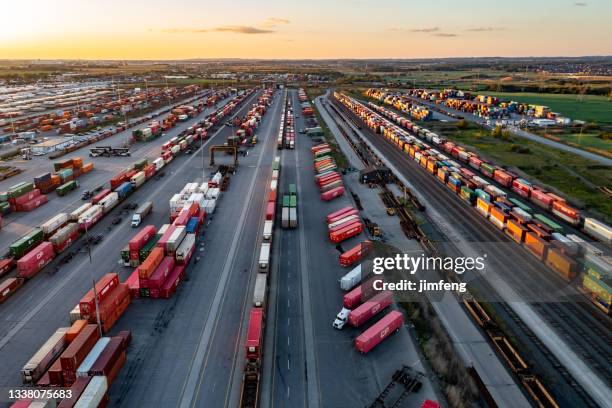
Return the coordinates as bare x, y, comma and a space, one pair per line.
49, 146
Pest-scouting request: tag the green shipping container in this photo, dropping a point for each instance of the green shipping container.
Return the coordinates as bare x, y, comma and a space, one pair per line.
285, 201
67, 187
293, 201
5, 208
20, 189
3, 196
140, 164
125, 253
275, 165
487, 168
292, 189
23, 245
467, 193
146, 250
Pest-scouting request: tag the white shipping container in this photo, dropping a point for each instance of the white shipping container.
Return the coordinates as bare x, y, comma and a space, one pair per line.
273, 185
93, 393
285, 217
159, 163
185, 247
264, 257
90, 214
348, 281
196, 198
213, 193
293, 221
598, 230
42, 359
267, 230
74, 216
210, 205
176, 238
108, 202
216, 178
75, 314
163, 229
175, 149
274, 174
261, 287
54, 223
92, 356
204, 188
176, 202
50, 403
138, 179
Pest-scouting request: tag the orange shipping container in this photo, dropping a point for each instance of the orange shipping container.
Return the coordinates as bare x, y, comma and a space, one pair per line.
87, 168
516, 231
483, 207
535, 244
75, 329
153, 260
564, 266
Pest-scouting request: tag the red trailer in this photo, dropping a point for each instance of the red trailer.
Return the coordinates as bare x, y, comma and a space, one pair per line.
6, 265
354, 254
338, 214
370, 308
8, 287
347, 232
32, 262
331, 194
254, 335
270, 210
349, 213
382, 329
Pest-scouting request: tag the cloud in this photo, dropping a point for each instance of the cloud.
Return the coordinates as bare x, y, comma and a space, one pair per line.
274, 21
445, 35
483, 29
242, 29
424, 30
580, 4
229, 29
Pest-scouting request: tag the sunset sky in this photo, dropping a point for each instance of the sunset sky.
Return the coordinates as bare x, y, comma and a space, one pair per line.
156, 29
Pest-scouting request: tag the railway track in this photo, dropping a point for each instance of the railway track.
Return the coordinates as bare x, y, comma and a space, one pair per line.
576, 321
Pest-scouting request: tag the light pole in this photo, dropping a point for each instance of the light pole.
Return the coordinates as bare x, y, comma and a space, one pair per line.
93, 281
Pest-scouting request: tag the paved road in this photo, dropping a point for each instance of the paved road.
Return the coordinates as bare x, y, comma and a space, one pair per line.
517, 277
16, 225
163, 341
522, 133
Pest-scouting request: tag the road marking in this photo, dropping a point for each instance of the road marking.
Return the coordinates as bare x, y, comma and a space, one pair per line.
190, 387
34, 311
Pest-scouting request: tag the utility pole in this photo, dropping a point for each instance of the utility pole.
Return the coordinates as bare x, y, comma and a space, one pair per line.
93, 281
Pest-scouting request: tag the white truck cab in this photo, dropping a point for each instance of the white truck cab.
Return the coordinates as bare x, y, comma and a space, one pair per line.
341, 318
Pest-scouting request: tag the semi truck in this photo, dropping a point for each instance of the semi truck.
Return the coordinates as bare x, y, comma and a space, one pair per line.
142, 211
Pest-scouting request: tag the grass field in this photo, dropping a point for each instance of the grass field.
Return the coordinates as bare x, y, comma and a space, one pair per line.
591, 108
571, 175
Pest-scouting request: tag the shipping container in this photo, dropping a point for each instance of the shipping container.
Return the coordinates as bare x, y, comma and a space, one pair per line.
44, 357
253, 344
355, 254
370, 308
31, 263
352, 278
260, 291
378, 332
92, 356
94, 394
264, 257
76, 352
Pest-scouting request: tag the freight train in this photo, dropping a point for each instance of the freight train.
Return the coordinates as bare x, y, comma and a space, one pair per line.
540, 235
537, 195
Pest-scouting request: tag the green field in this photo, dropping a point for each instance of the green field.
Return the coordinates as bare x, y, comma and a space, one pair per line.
593, 108
570, 174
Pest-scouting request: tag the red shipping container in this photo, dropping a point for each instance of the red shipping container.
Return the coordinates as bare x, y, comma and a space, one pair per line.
172, 282
161, 272
370, 308
55, 374
33, 204
182, 218
6, 265
60, 247
328, 179
141, 238
133, 283
347, 232
166, 236
149, 171
331, 194
272, 196
201, 216
108, 359
254, 335
98, 197
76, 352
270, 210
32, 262
76, 390
343, 215
382, 329
22, 199
113, 307
354, 254
8, 287
104, 287
338, 214
502, 178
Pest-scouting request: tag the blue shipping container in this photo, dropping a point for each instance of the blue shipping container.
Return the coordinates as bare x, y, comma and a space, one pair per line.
124, 189
192, 225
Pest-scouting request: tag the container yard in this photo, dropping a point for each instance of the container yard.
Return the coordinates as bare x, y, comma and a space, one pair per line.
220, 211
